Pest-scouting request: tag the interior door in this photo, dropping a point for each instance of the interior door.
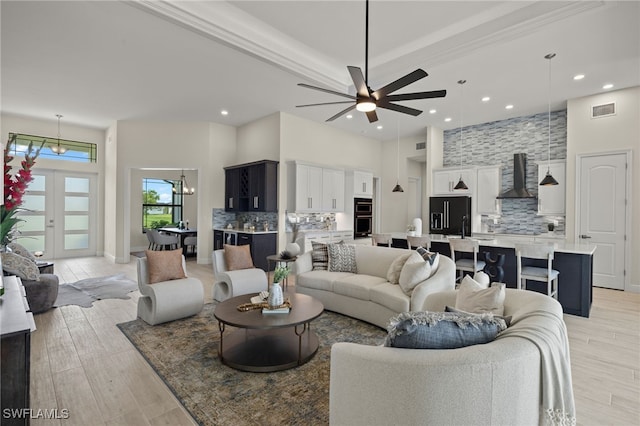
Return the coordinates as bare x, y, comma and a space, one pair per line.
602, 215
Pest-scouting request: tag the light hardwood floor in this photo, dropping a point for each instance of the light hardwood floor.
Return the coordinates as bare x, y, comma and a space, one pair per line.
82, 362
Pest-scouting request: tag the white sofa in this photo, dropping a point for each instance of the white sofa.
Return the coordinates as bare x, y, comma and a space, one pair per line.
498, 383
368, 295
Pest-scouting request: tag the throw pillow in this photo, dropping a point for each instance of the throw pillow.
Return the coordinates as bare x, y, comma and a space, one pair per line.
507, 320
441, 330
20, 266
429, 256
319, 256
414, 271
164, 265
238, 257
22, 251
472, 297
393, 274
342, 258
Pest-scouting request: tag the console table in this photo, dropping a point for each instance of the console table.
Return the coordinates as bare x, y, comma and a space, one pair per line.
16, 325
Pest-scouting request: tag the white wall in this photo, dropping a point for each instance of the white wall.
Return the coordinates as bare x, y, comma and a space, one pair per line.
259, 140
619, 132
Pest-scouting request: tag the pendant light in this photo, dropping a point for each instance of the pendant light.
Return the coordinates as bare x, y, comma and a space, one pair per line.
58, 149
398, 188
461, 185
548, 179
185, 186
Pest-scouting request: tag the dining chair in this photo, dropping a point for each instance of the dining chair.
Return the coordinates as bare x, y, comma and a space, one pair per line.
152, 243
164, 241
190, 244
537, 273
466, 245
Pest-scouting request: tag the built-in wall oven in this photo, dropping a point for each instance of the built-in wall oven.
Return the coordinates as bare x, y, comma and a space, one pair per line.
362, 217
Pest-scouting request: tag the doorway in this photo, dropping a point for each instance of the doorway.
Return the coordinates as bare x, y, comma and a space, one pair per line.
603, 214
60, 214
414, 199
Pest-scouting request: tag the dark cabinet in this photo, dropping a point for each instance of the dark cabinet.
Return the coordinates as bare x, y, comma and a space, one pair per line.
262, 245
218, 240
252, 187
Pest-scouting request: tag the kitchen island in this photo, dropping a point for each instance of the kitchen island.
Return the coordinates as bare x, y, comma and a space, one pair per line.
573, 261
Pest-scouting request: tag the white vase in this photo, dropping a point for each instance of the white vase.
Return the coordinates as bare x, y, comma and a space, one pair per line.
293, 249
276, 298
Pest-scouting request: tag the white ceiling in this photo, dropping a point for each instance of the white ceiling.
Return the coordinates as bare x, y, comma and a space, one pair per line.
97, 62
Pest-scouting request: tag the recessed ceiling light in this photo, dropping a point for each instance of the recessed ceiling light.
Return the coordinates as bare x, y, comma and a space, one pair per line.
432, 111
508, 106
578, 76
379, 127
448, 119
607, 86
349, 116
486, 99
224, 112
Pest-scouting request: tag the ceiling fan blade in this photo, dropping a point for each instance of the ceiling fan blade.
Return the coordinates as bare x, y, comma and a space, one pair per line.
400, 83
416, 95
324, 103
372, 116
399, 108
358, 81
322, 89
341, 113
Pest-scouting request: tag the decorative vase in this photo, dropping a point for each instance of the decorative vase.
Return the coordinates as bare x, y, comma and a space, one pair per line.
411, 233
276, 298
293, 249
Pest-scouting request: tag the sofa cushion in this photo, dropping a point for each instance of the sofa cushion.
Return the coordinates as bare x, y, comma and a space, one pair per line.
164, 265
22, 251
319, 280
472, 297
342, 258
20, 266
442, 330
237, 257
414, 271
390, 296
507, 319
393, 274
376, 261
357, 286
319, 256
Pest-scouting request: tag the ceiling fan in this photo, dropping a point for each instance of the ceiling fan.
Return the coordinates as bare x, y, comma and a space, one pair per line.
367, 100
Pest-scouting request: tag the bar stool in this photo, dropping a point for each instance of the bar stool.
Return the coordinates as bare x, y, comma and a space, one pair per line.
421, 241
535, 273
381, 239
466, 245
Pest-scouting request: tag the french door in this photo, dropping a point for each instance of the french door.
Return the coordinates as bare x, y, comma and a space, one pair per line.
60, 214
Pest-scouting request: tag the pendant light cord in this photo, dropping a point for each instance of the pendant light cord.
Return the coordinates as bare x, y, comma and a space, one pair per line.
549, 57
366, 46
398, 153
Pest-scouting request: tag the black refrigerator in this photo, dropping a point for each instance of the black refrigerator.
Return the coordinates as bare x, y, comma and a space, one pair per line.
448, 215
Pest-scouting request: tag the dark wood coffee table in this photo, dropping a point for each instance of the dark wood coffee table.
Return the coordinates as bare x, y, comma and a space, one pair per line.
267, 342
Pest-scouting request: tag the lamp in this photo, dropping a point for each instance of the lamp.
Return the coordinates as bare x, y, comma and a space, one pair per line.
398, 188
185, 186
58, 149
461, 184
548, 179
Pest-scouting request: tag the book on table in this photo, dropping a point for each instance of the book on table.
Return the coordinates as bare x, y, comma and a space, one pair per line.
284, 310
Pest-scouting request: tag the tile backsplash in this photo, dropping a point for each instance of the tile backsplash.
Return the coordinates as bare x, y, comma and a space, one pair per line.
495, 143
222, 218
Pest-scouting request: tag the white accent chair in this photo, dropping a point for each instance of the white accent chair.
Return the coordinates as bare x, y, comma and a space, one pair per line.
229, 284
535, 273
466, 245
168, 300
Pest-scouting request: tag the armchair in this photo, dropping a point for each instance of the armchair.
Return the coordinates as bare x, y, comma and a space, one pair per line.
229, 284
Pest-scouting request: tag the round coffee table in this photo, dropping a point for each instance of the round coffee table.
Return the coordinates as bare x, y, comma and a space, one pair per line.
267, 342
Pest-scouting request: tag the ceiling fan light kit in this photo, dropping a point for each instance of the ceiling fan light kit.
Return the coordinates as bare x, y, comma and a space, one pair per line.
368, 100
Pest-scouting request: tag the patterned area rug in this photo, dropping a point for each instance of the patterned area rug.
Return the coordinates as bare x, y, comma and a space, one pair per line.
185, 355
87, 291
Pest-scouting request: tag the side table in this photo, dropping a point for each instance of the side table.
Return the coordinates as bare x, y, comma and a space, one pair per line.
276, 260
45, 267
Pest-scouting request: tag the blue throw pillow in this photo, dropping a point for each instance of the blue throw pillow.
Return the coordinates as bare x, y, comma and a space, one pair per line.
442, 330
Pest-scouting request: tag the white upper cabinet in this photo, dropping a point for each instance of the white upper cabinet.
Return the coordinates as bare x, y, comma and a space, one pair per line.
308, 188
362, 184
332, 190
551, 199
488, 188
444, 180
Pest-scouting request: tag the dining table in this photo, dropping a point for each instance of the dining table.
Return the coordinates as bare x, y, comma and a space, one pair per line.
182, 233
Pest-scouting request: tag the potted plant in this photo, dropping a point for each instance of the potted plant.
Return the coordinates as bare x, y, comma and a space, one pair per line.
411, 230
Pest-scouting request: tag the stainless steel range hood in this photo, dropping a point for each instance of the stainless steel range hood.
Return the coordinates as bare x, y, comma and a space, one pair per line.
519, 189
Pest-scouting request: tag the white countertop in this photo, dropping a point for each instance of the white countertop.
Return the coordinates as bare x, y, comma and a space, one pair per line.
242, 231
510, 240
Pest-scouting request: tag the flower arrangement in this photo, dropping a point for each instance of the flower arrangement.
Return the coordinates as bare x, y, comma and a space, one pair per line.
14, 188
280, 273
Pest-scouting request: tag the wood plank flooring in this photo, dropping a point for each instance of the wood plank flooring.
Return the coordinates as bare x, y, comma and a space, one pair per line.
80, 360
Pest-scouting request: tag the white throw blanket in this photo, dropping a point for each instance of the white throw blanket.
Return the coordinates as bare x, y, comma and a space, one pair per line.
550, 337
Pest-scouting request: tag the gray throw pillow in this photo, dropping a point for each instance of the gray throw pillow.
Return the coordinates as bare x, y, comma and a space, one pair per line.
319, 256
22, 251
342, 258
507, 319
442, 330
20, 266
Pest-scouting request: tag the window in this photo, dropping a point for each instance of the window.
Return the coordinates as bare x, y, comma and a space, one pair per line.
83, 152
161, 202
